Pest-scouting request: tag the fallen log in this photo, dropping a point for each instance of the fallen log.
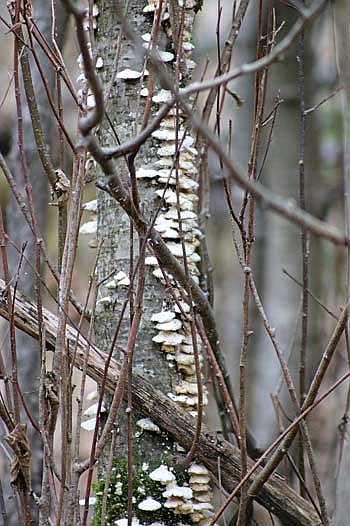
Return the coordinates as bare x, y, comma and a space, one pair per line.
276, 496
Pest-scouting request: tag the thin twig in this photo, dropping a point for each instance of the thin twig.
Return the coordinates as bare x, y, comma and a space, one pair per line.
304, 249
170, 417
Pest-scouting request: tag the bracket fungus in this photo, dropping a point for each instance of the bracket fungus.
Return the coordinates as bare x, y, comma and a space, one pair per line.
149, 504
162, 474
131, 74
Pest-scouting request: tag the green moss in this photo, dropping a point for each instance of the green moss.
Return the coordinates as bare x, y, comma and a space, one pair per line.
143, 487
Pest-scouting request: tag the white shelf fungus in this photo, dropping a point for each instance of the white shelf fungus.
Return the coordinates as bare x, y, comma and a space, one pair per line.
162, 96
165, 56
146, 173
151, 261
177, 250
163, 316
162, 224
168, 348
157, 273
150, 8
92, 410
99, 63
162, 474
199, 479
187, 388
185, 307
149, 504
204, 496
90, 227
200, 487
172, 325
131, 74
125, 282
187, 46
168, 337
122, 279
197, 469
146, 424
144, 92
81, 78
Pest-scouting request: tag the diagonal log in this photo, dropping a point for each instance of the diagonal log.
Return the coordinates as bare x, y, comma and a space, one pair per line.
276, 496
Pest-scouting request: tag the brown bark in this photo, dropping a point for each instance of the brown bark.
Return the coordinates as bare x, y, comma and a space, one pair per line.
28, 361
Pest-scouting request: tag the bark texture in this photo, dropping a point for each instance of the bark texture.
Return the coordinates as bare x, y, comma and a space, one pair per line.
164, 352
124, 113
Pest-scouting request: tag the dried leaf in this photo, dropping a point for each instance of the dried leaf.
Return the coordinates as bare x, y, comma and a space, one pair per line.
20, 465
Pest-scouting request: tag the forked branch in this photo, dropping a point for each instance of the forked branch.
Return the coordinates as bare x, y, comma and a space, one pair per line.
276, 495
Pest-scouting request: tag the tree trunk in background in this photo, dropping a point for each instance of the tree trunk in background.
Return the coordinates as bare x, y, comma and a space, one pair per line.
20, 233
165, 367
342, 11
227, 274
281, 241
272, 236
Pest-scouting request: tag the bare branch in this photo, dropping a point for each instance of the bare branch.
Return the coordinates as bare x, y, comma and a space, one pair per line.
285, 207
275, 495
261, 63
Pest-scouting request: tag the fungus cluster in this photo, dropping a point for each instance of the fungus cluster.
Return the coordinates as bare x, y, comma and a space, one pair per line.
192, 500
174, 336
174, 175
173, 172
200, 484
177, 498
90, 227
93, 19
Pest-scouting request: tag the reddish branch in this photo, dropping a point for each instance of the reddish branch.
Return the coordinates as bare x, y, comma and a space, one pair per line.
275, 495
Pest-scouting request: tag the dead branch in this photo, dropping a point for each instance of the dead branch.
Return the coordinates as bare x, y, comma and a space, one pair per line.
276, 495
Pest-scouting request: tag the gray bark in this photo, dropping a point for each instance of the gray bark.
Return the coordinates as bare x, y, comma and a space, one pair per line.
114, 229
113, 223
342, 10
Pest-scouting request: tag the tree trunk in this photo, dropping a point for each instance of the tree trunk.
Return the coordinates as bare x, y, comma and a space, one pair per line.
342, 10
171, 365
